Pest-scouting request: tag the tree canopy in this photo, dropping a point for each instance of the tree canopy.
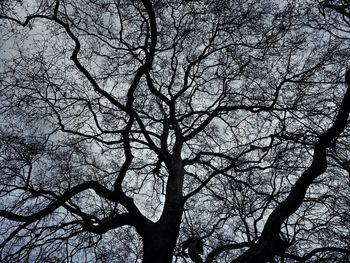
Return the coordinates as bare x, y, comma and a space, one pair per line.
174, 131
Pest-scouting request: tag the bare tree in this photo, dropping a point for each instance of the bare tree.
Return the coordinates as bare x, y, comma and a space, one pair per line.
193, 131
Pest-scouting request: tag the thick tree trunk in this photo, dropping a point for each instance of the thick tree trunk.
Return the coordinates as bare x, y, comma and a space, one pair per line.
158, 248
159, 243
159, 240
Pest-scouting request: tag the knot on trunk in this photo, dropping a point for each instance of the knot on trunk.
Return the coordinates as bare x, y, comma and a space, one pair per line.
194, 245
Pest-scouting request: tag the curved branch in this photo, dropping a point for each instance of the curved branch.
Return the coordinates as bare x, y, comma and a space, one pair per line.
316, 251
216, 251
99, 189
108, 224
270, 243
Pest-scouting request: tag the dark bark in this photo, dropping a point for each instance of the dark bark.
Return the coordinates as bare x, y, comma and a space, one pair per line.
170, 76
270, 244
159, 240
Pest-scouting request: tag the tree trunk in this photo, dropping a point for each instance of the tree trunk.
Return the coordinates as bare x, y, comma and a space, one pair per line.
158, 247
159, 240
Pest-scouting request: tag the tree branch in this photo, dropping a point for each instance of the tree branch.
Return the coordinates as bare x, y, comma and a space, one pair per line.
270, 243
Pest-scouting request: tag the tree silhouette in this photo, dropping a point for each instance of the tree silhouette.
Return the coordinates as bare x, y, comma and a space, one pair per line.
185, 131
